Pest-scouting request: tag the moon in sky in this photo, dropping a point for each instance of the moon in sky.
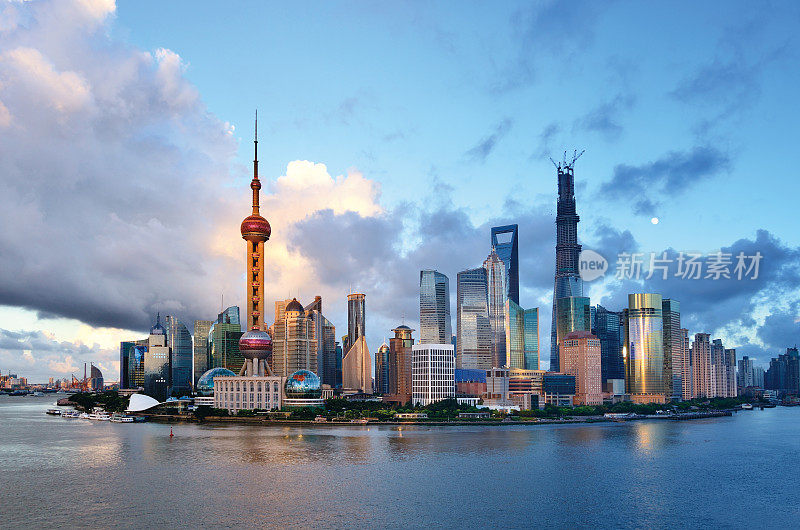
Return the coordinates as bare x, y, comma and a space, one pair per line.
654, 220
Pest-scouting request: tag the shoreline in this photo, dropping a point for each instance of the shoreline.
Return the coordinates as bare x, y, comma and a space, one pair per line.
269, 422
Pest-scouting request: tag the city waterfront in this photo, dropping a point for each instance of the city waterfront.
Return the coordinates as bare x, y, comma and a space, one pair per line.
722, 472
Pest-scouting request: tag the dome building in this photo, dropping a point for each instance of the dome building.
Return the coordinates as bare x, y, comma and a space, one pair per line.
303, 389
205, 385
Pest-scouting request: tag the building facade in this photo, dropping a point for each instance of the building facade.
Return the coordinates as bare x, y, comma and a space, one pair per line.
294, 339
673, 374
433, 373
400, 364
522, 336
357, 368
572, 314
200, 361
382, 363
504, 244
181, 348
356, 319
567, 282
473, 331
496, 295
607, 327
435, 324
702, 381
157, 363
644, 348
235, 393
580, 357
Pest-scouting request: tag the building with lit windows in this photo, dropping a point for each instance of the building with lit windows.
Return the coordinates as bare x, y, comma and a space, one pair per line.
644, 343
473, 331
580, 356
572, 314
433, 373
673, 373
157, 363
435, 323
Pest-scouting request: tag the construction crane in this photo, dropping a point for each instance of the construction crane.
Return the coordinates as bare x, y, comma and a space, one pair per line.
564, 165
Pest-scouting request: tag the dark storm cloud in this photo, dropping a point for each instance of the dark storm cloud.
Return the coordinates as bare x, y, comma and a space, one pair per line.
605, 118
781, 329
480, 151
676, 170
110, 168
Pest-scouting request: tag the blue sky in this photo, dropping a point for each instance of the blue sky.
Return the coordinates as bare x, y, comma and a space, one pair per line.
433, 121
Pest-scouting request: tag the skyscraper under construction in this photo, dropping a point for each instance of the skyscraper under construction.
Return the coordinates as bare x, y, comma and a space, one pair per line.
568, 282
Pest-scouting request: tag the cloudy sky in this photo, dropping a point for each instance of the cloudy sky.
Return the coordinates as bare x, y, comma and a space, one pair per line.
392, 137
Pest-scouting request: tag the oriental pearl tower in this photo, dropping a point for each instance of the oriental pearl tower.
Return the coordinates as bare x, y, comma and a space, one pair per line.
255, 345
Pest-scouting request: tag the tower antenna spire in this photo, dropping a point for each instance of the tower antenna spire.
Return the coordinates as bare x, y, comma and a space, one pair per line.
255, 144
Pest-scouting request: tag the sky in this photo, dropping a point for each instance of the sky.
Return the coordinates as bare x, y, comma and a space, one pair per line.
392, 136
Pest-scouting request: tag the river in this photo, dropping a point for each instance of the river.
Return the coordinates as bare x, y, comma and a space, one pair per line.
735, 471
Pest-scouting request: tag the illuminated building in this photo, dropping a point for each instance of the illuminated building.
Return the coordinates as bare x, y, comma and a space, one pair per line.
474, 334
579, 355
644, 343
157, 363
201, 363
673, 371
568, 283
432, 373
294, 338
496, 295
434, 308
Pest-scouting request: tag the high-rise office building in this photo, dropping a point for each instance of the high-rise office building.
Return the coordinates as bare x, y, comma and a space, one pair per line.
201, 361
399, 372
256, 231
326, 343
294, 339
125, 352
744, 375
157, 363
731, 389
580, 356
758, 377
356, 320
496, 293
572, 314
504, 243
473, 331
783, 373
700, 353
671, 319
567, 282
357, 367
644, 348
686, 366
136, 364
180, 345
223, 341
521, 328
382, 370
434, 308
433, 373
608, 329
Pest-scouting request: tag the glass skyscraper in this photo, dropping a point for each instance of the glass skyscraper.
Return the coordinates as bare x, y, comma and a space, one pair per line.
673, 344
496, 291
157, 363
179, 341
223, 341
567, 282
532, 339
201, 362
644, 347
356, 320
607, 327
572, 314
504, 243
434, 308
473, 333
326, 343
125, 352
514, 335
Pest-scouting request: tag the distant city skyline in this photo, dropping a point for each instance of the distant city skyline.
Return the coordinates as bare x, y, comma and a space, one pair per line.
125, 186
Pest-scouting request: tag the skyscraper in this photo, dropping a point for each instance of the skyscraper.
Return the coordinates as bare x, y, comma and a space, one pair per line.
686, 366
201, 361
744, 376
644, 348
294, 339
179, 341
400, 357
473, 333
382, 370
433, 373
607, 327
567, 282
522, 336
496, 291
700, 353
125, 352
673, 375
580, 356
356, 319
572, 314
326, 343
157, 363
255, 230
434, 308
357, 367
504, 243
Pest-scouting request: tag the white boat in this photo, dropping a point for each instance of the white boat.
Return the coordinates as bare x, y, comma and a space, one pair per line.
53, 412
84, 416
103, 416
747, 406
121, 418
69, 414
